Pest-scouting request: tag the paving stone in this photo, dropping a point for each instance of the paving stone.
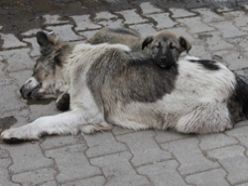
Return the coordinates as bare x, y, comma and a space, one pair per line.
192, 160
35, 177
65, 32
118, 170
228, 30
49, 183
181, 31
234, 162
35, 48
23, 153
195, 25
10, 41
163, 20
144, 148
200, 50
242, 184
4, 174
163, 173
10, 101
239, 18
241, 133
115, 23
54, 20
209, 178
17, 59
120, 131
212, 141
83, 22
93, 181
148, 8
104, 16
144, 29
20, 77
59, 141
3, 153
131, 17
31, 32
102, 143
88, 34
179, 12
234, 59
72, 163
208, 16
168, 136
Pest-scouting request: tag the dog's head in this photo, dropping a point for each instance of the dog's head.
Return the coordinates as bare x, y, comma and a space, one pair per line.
166, 47
46, 81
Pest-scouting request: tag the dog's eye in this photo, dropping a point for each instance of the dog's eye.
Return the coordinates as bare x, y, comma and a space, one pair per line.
171, 45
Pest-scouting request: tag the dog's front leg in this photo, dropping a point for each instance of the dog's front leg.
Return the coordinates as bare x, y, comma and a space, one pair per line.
64, 123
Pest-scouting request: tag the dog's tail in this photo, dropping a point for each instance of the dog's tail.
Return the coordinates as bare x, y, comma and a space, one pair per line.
238, 104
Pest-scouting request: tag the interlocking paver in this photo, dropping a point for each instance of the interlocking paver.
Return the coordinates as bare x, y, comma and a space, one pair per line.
180, 12
10, 41
31, 32
35, 177
4, 174
163, 173
118, 170
54, 19
27, 157
233, 160
214, 177
192, 160
208, 16
103, 143
104, 16
163, 20
168, 136
83, 22
145, 29
144, 148
131, 17
241, 134
35, 49
149, 8
72, 163
93, 181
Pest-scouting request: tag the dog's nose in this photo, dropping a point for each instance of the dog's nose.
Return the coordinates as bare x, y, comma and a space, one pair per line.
24, 93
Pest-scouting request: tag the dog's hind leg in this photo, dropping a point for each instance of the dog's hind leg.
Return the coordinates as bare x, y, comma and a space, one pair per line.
64, 123
206, 118
93, 128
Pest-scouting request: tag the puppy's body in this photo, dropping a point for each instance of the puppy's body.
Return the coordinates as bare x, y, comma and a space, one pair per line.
109, 85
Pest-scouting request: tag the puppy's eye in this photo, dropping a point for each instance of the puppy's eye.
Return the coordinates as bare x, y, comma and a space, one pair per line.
171, 45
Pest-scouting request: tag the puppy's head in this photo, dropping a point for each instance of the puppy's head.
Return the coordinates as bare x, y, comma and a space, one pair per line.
46, 81
166, 47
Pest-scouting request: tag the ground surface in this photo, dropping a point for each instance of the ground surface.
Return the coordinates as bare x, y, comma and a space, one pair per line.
120, 157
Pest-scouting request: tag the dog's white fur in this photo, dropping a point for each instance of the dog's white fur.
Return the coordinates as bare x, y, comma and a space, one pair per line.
198, 103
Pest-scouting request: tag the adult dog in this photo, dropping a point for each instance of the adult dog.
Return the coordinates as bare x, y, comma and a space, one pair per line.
111, 85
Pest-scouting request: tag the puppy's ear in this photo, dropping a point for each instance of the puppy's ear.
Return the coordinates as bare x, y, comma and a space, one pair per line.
184, 44
42, 39
147, 41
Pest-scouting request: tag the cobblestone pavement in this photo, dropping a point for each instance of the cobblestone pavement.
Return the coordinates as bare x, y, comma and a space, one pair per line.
123, 157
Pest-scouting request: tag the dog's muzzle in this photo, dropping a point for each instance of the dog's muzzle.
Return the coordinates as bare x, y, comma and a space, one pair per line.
30, 89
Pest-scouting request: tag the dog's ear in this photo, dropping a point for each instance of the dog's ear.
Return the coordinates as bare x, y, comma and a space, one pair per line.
184, 44
147, 41
42, 39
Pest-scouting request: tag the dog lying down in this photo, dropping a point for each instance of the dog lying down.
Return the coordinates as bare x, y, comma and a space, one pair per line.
109, 84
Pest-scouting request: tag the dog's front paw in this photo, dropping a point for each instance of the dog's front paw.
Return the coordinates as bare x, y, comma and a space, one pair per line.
18, 135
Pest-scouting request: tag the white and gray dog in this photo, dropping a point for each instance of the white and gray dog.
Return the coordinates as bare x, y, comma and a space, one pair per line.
110, 84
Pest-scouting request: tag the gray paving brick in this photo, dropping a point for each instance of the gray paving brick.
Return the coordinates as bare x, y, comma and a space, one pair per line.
240, 133
180, 12
200, 50
35, 49
168, 136
163, 173
242, 184
209, 178
4, 174
115, 23
35, 177
233, 160
3, 153
23, 153
59, 141
145, 29
72, 163
131, 17
88, 34
120, 131
20, 77
212, 141
93, 181
181, 31
49, 183
17, 59
163, 20
31, 32
149, 8
10, 41
65, 32
118, 170
208, 16
83, 22
54, 19
239, 18
192, 160
104, 16
144, 148
102, 143
195, 25
227, 29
